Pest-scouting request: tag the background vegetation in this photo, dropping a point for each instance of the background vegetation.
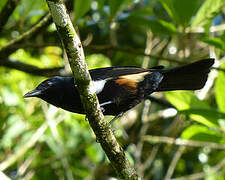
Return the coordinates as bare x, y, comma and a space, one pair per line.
178, 135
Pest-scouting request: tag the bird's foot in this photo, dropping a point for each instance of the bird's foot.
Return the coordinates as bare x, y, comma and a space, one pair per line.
116, 117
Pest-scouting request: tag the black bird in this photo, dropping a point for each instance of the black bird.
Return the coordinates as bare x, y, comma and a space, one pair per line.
121, 88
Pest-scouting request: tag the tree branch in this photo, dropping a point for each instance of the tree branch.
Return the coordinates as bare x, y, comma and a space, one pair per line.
86, 89
27, 68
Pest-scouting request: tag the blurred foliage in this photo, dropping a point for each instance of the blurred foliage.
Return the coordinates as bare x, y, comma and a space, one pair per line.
39, 141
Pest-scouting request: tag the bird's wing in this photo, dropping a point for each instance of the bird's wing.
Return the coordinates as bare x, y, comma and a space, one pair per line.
127, 77
116, 71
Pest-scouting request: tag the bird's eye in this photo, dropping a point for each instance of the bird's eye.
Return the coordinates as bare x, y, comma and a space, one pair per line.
45, 84
49, 83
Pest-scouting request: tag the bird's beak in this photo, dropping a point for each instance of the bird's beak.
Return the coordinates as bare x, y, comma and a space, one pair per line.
34, 93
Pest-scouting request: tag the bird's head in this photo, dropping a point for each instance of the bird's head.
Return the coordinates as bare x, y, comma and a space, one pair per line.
60, 92
48, 89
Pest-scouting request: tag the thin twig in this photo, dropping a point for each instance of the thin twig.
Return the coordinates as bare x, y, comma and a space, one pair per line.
174, 161
23, 167
182, 142
25, 35
29, 175
202, 175
148, 49
150, 159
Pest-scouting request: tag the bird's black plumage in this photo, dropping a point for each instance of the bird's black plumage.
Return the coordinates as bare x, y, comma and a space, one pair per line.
121, 88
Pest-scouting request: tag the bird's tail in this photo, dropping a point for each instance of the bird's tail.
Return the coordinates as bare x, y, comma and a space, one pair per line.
190, 77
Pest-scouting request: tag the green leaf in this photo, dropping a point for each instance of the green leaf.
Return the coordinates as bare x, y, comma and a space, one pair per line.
180, 11
157, 26
2, 3
81, 7
117, 6
208, 117
187, 103
217, 42
220, 90
201, 133
185, 100
145, 12
208, 10
160, 26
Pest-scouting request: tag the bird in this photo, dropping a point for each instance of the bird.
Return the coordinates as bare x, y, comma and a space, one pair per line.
121, 88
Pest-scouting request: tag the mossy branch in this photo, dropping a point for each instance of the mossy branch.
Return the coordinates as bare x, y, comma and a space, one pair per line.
86, 89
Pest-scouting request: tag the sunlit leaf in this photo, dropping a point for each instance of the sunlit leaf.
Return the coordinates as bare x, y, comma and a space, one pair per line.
220, 89
208, 10
201, 133
199, 111
185, 100
208, 117
217, 42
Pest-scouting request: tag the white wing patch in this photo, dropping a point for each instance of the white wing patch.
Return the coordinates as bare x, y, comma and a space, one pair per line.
99, 85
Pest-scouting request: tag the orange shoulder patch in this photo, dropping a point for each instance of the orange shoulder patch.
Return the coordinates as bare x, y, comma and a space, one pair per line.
130, 81
127, 82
